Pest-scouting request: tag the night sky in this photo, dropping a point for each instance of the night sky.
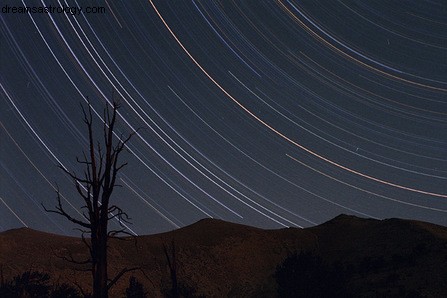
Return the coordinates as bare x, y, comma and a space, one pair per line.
267, 113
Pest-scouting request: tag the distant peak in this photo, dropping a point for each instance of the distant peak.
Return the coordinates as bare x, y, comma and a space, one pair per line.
344, 217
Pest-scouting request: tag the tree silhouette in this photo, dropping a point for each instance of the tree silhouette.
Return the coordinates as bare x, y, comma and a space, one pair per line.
171, 258
95, 188
306, 275
135, 289
176, 288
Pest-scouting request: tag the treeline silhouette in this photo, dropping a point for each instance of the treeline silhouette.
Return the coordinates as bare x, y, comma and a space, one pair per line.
305, 274
36, 284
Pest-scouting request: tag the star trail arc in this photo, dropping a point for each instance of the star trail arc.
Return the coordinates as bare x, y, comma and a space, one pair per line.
268, 113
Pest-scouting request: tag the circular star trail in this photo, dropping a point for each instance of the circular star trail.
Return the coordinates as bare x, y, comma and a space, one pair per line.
267, 113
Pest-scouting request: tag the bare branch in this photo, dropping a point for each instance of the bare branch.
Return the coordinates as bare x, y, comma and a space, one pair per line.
119, 275
60, 210
71, 259
74, 176
112, 234
120, 214
84, 294
83, 232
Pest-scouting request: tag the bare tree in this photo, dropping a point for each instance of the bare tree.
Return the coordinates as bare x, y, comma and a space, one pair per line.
95, 188
171, 258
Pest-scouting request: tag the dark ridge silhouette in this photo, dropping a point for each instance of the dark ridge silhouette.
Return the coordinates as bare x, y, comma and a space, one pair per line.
376, 258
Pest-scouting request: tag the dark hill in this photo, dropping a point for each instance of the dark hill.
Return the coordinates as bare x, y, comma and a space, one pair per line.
384, 258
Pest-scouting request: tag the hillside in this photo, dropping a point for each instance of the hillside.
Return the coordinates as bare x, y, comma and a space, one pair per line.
223, 259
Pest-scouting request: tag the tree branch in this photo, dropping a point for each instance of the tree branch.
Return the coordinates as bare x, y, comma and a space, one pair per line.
60, 210
119, 275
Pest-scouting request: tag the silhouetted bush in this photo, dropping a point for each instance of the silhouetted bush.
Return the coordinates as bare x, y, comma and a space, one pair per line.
6, 290
184, 291
35, 284
135, 289
305, 275
64, 291
28, 284
413, 294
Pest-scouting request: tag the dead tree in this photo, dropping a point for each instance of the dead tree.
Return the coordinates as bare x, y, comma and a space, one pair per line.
95, 188
171, 258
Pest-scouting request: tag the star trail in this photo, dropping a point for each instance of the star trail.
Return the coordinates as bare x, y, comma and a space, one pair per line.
267, 113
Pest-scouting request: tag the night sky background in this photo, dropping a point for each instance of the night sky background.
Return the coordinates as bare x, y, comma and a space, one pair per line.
267, 113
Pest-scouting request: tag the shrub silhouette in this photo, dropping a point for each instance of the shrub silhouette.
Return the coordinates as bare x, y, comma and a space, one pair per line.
35, 284
28, 284
305, 275
135, 289
184, 291
64, 291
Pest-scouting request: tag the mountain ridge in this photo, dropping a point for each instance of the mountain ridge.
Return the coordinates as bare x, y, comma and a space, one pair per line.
221, 258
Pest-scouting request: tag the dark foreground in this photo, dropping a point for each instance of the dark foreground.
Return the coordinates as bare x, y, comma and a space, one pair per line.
346, 256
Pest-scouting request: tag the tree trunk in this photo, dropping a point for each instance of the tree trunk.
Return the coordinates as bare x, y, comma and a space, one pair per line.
100, 268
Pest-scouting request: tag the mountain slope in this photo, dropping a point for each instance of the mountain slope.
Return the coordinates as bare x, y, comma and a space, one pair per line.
218, 258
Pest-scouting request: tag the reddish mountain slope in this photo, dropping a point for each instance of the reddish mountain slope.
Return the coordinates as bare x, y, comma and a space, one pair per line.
226, 259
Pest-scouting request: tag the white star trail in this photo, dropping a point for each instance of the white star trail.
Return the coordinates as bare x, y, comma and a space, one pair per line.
266, 113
